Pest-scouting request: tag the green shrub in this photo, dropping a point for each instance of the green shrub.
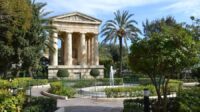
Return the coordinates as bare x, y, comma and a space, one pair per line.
144, 81
62, 73
131, 105
135, 91
195, 73
10, 103
89, 82
39, 82
83, 83
137, 105
131, 79
94, 72
174, 85
40, 104
189, 100
21, 83
58, 89
106, 81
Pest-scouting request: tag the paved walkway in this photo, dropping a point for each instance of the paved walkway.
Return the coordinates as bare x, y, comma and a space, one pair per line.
91, 109
88, 104
84, 104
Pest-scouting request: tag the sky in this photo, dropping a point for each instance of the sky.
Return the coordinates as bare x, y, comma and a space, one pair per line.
181, 10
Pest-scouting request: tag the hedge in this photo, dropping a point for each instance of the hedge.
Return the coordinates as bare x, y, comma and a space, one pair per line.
135, 91
10, 103
189, 100
21, 83
40, 104
133, 105
91, 82
58, 89
137, 105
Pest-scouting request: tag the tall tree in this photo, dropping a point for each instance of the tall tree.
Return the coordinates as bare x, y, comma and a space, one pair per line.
15, 16
164, 54
156, 25
36, 36
122, 27
24, 34
195, 28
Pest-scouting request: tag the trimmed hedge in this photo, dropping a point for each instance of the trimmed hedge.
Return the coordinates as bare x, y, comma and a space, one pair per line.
21, 82
62, 73
99, 82
133, 105
40, 104
137, 105
135, 91
94, 72
58, 89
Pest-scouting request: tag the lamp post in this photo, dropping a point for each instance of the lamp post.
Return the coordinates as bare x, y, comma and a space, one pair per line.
10, 86
146, 100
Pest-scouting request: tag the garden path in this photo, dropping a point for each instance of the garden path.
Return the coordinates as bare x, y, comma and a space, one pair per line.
84, 104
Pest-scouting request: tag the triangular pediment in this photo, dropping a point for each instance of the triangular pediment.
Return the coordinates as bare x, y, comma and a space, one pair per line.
76, 17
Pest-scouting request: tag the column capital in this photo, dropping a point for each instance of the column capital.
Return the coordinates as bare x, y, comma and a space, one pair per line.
55, 31
95, 33
83, 32
54, 35
69, 32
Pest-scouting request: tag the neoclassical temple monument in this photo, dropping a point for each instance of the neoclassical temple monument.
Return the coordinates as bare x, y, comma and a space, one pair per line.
78, 33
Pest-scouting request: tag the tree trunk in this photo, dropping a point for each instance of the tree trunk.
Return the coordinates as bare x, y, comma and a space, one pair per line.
165, 96
17, 74
30, 71
120, 48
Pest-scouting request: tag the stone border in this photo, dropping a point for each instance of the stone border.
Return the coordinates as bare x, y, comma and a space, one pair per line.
90, 91
54, 95
124, 98
188, 84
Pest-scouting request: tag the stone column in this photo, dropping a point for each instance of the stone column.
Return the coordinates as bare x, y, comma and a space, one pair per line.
96, 50
68, 49
92, 51
88, 51
54, 54
62, 51
83, 58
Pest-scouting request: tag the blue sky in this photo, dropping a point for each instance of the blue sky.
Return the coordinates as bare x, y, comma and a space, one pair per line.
181, 10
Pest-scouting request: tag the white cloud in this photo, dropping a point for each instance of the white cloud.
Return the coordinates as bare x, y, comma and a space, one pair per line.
93, 6
188, 7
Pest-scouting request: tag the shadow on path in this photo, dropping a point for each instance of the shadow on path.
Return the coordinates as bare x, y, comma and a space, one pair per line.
91, 109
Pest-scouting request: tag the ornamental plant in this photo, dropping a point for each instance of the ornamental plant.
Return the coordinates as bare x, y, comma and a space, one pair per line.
94, 72
62, 73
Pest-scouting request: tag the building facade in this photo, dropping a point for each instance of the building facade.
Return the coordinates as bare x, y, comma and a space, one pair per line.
78, 33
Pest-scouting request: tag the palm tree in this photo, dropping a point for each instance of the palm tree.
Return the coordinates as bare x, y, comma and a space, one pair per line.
122, 27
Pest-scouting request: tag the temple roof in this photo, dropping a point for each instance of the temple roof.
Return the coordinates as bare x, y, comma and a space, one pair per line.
76, 17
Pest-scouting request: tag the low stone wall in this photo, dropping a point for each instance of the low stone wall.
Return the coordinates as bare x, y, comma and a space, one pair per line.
76, 72
98, 91
54, 96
